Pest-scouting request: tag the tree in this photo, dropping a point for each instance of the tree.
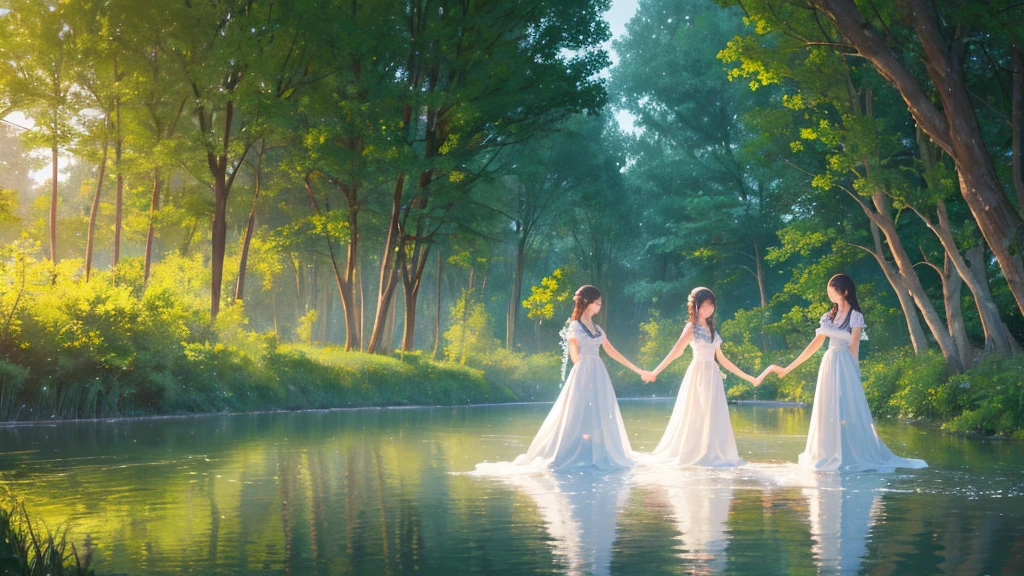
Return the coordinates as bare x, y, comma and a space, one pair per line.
543, 297
38, 50
713, 203
485, 77
893, 38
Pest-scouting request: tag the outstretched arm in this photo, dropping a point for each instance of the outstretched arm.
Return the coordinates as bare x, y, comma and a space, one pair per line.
617, 356
728, 365
807, 353
677, 350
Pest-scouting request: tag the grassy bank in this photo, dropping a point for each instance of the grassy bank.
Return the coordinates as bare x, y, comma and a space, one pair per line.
71, 349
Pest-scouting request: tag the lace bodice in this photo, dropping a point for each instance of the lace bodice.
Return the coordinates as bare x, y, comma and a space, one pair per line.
588, 343
839, 335
703, 344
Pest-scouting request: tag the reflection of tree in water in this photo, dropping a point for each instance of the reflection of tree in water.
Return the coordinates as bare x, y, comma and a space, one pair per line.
368, 493
942, 534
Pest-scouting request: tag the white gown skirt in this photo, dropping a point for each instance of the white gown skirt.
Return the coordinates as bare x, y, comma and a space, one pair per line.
699, 432
842, 434
584, 427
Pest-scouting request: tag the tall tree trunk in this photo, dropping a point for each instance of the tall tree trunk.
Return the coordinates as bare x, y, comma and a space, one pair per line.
388, 272
352, 311
53, 204
219, 239
1017, 125
326, 300
951, 287
955, 128
987, 309
362, 308
154, 206
94, 211
917, 336
467, 301
517, 292
119, 199
760, 276
389, 328
437, 316
218, 164
345, 283
250, 225
983, 299
412, 277
905, 266
995, 338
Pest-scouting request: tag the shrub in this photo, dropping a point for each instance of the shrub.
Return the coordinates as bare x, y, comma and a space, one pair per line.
992, 397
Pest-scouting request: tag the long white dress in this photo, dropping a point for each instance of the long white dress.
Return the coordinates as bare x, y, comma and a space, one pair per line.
842, 434
584, 427
699, 432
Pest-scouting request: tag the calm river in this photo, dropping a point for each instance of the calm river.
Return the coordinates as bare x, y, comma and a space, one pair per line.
378, 492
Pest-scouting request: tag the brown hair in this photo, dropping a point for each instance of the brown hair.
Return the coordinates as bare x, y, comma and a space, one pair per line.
844, 285
698, 296
584, 297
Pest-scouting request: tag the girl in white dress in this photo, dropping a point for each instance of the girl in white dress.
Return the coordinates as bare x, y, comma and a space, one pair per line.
584, 427
842, 434
699, 432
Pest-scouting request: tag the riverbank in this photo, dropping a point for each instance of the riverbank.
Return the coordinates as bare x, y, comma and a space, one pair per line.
196, 415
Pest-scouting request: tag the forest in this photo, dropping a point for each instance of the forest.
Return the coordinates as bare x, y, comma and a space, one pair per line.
283, 204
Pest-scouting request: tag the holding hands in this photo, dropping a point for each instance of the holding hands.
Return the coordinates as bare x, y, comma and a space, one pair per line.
647, 375
773, 368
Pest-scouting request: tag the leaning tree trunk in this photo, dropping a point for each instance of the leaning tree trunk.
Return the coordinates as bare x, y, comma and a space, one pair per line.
154, 206
250, 225
978, 271
951, 289
388, 273
1017, 125
955, 128
94, 211
917, 336
991, 322
913, 282
995, 338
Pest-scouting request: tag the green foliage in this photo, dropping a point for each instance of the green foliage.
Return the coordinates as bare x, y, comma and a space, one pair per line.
543, 297
992, 398
305, 328
898, 383
470, 338
28, 549
988, 399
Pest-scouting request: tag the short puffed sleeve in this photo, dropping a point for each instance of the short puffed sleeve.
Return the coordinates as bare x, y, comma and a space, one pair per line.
573, 330
856, 319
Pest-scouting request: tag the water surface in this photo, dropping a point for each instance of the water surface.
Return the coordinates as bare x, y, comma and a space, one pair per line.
379, 492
